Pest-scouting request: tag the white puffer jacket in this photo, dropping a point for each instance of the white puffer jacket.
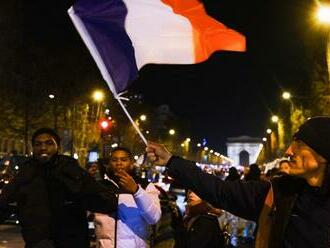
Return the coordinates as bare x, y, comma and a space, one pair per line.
135, 213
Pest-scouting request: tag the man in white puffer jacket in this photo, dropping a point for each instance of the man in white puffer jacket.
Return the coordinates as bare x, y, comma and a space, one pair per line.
138, 206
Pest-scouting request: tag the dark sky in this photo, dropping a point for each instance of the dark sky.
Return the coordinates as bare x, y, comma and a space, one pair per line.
232, 93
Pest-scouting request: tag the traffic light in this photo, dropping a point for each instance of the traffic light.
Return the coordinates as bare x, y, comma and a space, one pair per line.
105, 126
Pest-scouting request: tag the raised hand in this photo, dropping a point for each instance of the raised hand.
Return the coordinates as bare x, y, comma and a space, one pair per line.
157, 153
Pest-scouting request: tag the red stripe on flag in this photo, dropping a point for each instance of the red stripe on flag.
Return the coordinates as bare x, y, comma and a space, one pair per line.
209, 35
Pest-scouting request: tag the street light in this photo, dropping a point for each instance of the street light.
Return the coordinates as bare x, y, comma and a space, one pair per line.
264, 139
171, 131
269, 131
323, 14
98, 95
286, 95
51, 96
275, 118
143, 117
323, 17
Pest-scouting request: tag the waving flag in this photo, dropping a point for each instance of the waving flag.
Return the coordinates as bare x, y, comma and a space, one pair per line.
124, 35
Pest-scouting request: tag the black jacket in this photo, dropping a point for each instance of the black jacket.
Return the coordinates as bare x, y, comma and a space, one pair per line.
52, 200
204, 231
301, 216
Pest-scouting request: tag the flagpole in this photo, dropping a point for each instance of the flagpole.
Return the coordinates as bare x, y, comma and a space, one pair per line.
131, 120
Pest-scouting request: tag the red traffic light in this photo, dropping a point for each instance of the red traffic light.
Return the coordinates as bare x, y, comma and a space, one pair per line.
105, 124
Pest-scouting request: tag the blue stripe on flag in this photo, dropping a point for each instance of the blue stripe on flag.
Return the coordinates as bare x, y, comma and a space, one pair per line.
104, 20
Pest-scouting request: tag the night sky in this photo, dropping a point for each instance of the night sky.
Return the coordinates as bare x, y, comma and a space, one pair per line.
232, 93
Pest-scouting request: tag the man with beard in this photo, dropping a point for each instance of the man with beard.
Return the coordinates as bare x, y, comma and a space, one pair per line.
53, 194
138, 205
292, 210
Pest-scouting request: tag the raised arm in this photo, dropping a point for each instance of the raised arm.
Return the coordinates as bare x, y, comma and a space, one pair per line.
244, 199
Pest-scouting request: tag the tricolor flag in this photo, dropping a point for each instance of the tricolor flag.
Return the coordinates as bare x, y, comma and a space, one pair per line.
124, 35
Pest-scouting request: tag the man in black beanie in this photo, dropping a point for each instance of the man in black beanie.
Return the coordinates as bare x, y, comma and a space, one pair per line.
292, 210
309, 153
53, 194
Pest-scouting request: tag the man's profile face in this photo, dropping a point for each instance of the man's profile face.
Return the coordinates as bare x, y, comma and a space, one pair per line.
304, 161
44, 147
120, 160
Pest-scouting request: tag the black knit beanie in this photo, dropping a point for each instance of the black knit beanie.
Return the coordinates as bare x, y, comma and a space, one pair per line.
315, 133
46, 130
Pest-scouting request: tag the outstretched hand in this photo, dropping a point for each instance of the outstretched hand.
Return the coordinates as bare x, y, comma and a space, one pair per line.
157, 153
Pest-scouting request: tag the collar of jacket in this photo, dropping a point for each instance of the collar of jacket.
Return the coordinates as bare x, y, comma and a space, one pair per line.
49, 164
276, 212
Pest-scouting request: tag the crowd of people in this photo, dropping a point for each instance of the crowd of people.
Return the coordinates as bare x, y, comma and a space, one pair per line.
56, 198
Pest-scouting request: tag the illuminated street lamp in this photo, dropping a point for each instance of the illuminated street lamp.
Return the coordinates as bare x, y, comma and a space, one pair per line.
264, 139
323, 17
199, 145
51, 96
143, 117
171, 131
323, 14
275, 118
188, 140
286, 95
269, 131
206, 148
98, 95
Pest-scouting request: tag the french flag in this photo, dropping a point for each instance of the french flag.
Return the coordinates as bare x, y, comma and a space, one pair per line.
124, 35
